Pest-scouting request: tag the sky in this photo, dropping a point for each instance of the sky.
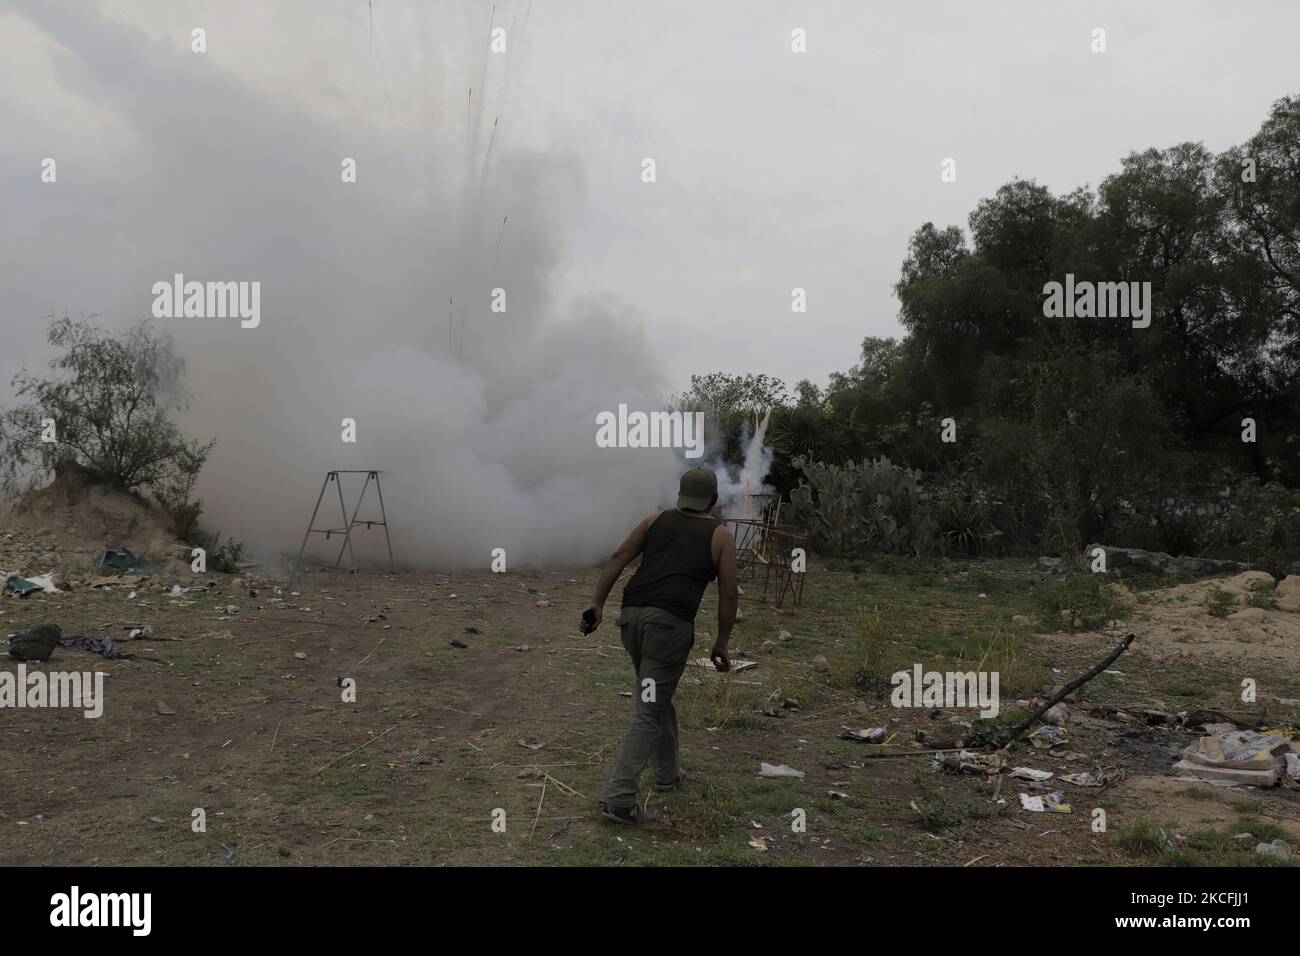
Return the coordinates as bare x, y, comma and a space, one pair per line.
522, 169
775, 169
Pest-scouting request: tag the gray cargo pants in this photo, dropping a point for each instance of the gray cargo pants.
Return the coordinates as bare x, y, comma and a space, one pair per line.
659, 645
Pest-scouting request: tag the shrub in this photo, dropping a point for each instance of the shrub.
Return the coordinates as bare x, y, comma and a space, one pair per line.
1086, 597
856, 509
108, 409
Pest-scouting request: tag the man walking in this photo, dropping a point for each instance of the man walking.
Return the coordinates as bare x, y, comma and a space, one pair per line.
681, 552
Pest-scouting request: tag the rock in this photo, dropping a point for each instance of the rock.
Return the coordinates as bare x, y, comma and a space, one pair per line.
299, 655
1287, 593
821, 664
543, 603
784, 636
1279, 848
790, 703
36, 644
1022, 620
768, 647
1122, 594
162, 707
1057, 714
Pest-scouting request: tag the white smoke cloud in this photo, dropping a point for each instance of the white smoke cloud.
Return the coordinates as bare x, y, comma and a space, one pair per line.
486, 431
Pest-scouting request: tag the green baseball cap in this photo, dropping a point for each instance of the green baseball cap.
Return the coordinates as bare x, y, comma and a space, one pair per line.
697, 490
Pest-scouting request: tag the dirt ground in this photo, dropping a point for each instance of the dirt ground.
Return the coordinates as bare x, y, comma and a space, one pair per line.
233, 706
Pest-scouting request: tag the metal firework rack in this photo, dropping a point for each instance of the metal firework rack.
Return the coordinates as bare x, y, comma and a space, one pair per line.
349, 522
764, 547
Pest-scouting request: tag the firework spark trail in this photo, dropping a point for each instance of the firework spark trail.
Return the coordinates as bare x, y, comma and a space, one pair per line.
499, 235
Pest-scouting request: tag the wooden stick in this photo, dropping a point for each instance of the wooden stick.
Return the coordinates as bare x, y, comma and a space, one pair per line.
1019, 729
276, 735
351, 752
915, 753
539, 810
372, 653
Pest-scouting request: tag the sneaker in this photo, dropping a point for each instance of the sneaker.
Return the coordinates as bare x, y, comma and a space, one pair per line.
627, 815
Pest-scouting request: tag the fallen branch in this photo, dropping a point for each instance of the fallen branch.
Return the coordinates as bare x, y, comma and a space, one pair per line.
1019, 729
351, 752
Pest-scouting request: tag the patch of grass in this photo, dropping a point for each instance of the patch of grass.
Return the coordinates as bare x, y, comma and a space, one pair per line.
924, 572
1195, 793
1082, 598
1203, 847
1221, 603
1264, 831
1187, 690
1144, 838
1262, 596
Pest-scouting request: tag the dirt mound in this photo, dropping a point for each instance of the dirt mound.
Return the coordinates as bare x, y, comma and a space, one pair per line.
69, 523
1180, 618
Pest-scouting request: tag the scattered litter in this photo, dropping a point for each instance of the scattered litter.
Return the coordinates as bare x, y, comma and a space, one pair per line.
1291, 779
1057, 714
122, 559
735, 664
125, 580
758, 843
46, 583
531, 744
837, 794
530, 773
461, 644
21, 586
563, 827
1278, 848
1094, 778
968, 762
107, 647
299, 656
872, 735
1048, 736
780, 770
1029, 773
1239, 756
1048, 803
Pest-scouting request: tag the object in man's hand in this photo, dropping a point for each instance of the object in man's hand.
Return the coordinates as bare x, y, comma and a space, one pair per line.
721, 661
588, 620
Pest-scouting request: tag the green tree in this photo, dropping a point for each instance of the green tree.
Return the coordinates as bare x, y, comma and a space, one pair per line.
109, 405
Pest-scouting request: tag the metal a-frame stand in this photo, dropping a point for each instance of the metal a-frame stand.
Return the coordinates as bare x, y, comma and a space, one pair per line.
350, 523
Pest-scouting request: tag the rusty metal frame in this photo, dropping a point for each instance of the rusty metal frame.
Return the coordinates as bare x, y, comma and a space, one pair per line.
350, 522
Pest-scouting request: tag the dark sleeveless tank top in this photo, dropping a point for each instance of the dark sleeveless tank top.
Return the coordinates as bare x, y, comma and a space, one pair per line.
676, 565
